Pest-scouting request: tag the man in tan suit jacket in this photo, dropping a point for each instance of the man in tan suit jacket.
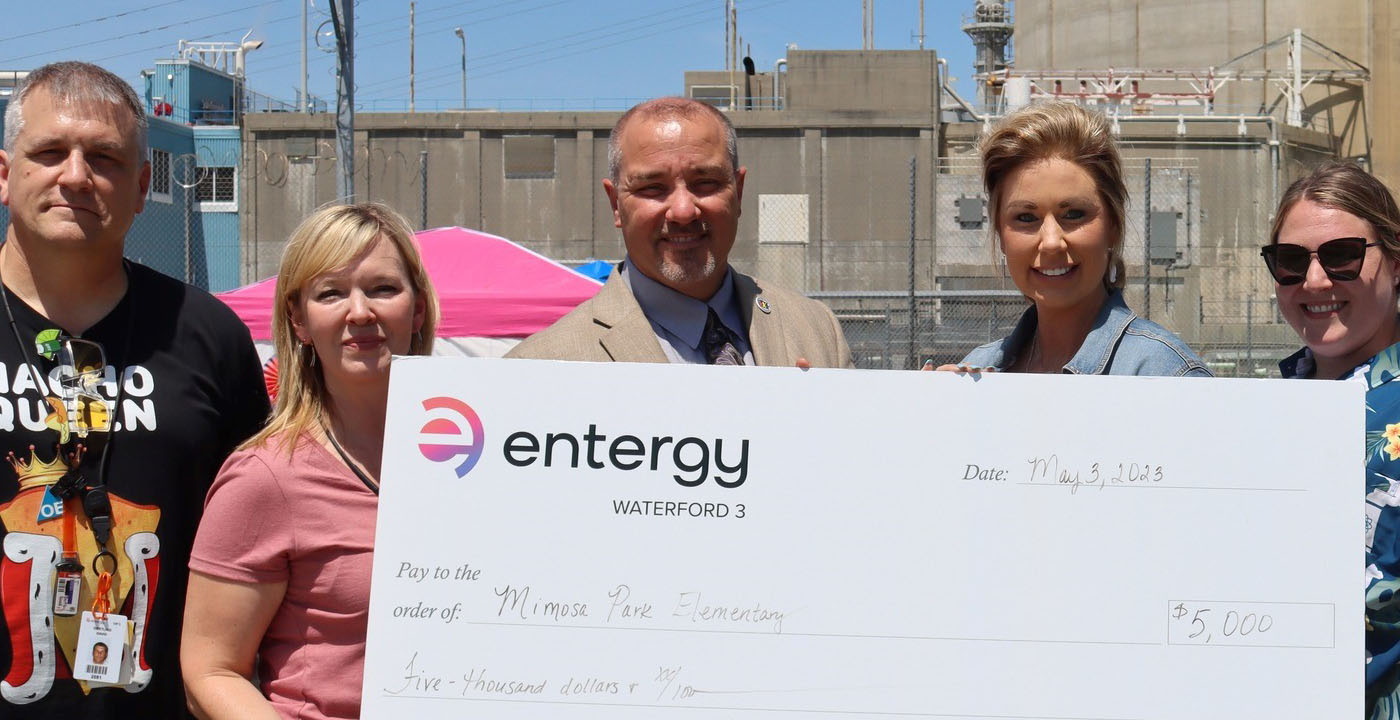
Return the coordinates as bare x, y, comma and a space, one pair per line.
783, 327
675, 186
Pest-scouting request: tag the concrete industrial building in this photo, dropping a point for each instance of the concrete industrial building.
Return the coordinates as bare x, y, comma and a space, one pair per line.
833, 140
1364, 119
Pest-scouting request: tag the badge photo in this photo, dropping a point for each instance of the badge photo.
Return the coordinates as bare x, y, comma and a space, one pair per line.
101, 652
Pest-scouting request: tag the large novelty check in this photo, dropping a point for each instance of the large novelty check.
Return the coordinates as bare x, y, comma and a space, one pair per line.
571, 540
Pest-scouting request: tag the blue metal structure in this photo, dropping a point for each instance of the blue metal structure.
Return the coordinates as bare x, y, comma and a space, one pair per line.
189, 227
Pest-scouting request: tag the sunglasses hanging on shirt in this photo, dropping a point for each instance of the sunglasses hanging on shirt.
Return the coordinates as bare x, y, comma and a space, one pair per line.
1341, 259
77, 408
80, 368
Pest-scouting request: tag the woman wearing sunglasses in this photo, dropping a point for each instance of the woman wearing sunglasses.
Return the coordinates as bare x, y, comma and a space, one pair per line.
1057, 198
280, 569
1335, 256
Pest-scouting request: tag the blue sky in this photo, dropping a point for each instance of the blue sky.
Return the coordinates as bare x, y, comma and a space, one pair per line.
545, 53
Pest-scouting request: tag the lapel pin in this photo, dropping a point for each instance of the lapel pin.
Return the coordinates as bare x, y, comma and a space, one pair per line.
762, 305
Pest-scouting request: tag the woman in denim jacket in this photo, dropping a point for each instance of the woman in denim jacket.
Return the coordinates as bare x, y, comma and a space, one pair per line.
1335, 256
1057, 198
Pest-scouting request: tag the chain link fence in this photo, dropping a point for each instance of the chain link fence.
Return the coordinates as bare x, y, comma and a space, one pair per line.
924, 283
189, 226
894, 330
1191, 240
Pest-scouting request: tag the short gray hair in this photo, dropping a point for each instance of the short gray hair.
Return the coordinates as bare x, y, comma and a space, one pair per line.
665, 108
75, 83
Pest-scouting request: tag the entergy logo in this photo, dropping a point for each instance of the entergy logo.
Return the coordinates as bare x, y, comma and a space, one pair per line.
441, 439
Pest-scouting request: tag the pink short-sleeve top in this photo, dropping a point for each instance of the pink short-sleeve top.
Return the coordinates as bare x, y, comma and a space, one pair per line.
302, 519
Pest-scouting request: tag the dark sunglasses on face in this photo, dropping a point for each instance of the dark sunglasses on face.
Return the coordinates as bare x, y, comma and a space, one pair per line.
1341, 259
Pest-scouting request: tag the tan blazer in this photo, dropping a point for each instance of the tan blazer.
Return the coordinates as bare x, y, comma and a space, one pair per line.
783, 326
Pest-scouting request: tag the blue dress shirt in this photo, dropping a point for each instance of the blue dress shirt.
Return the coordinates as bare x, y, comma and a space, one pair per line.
679, 320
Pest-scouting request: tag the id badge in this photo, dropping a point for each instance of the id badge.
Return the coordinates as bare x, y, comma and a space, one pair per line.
68, 585
101, 656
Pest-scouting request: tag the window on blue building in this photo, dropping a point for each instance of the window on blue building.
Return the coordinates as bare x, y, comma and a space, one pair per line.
217, 189
160, 175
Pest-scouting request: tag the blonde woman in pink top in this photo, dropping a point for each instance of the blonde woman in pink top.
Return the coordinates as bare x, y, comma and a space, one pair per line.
280, 569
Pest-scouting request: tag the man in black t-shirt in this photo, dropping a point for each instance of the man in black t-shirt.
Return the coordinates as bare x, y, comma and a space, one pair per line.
121, 393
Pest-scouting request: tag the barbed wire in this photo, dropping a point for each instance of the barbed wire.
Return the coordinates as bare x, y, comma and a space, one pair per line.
186, 172
263, 162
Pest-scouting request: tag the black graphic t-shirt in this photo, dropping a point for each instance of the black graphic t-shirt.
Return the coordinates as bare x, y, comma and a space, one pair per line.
190, 390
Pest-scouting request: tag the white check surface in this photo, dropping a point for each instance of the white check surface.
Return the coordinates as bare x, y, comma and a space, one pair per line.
1124, 548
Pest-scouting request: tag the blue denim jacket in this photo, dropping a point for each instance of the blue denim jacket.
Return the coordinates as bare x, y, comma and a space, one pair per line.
1121, 343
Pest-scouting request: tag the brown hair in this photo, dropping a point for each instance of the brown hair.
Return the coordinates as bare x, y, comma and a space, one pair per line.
328, 240
1344, 186
1068, 132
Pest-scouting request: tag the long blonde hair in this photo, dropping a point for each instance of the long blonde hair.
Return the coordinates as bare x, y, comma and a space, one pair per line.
328, 240
1068, 132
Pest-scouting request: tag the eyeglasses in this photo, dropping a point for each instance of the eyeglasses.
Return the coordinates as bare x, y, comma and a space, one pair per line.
1340, 258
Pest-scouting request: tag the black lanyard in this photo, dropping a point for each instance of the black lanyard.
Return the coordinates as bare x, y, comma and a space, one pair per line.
348, 462
97, 504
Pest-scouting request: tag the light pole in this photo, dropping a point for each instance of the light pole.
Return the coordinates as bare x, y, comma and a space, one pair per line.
463, 37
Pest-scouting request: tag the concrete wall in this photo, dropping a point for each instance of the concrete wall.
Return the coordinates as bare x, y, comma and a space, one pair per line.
836, 80
849, 151
291, 170
854, 164
753, 92
857, 80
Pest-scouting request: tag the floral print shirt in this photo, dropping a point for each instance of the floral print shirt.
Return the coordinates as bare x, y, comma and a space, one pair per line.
1382, 521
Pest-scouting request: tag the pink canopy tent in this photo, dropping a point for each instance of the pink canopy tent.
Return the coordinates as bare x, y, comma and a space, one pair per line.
493, 293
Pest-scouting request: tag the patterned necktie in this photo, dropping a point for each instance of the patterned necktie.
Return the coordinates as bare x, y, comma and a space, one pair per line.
719, 342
